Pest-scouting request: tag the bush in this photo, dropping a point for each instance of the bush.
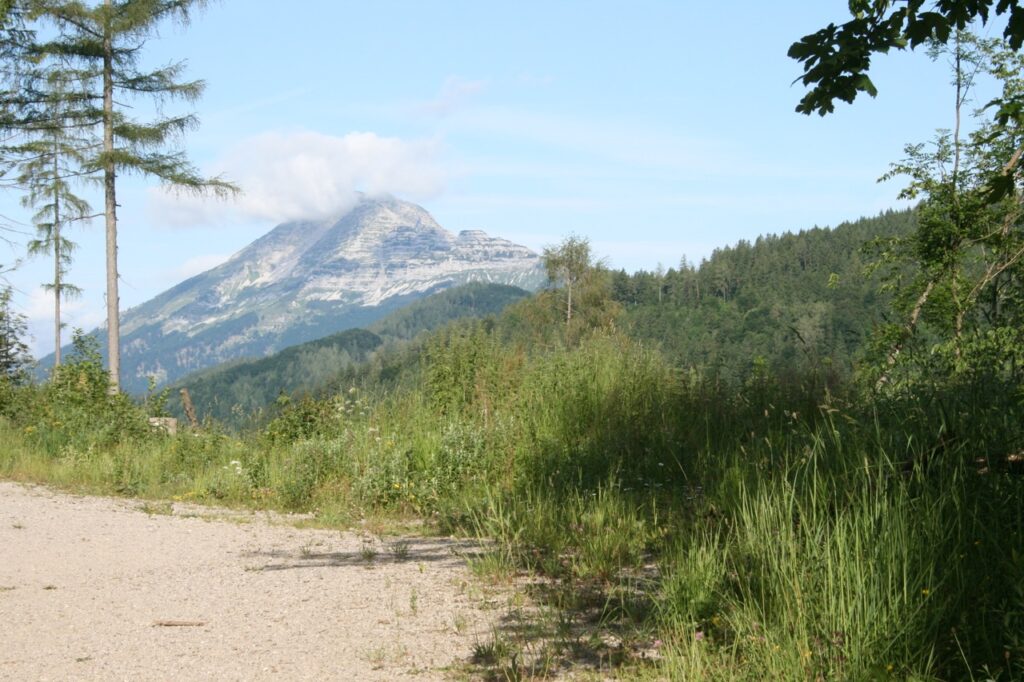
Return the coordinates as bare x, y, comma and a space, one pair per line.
75, 409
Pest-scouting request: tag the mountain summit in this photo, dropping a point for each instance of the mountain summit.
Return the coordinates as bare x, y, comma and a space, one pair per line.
307, 279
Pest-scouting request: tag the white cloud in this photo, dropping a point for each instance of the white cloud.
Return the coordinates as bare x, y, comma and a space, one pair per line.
75, 313
285, 176
198, 264
39, 305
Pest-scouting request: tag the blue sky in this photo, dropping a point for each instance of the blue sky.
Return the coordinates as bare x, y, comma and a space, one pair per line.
658, 129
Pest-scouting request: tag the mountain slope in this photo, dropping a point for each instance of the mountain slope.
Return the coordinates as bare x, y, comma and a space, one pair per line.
788, 303
231, 391
793, 303
307, 279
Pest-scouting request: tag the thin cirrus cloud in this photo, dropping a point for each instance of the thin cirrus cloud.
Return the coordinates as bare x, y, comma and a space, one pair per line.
308, 175
198, 264
454, 92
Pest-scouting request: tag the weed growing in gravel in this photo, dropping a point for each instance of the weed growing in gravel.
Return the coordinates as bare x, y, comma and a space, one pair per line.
157, 508
400, 549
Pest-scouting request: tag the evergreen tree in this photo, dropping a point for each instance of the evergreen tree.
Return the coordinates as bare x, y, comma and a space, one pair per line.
49, 160
105, 41
14, 355
16, 77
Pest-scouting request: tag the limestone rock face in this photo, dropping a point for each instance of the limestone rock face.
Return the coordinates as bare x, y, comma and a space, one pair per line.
307, 279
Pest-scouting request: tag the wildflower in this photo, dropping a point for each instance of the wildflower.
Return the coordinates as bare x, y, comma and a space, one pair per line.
925, 592
699, 635
889, 668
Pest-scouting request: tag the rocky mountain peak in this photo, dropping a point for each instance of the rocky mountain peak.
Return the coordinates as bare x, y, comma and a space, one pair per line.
308, 278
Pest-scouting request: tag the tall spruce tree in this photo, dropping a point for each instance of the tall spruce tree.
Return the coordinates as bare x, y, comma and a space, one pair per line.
106, 42
52, 157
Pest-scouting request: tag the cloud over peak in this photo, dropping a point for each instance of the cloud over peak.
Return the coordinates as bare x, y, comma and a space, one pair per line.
286, 176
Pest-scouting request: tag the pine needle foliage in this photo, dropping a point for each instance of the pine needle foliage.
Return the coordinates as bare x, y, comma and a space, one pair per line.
50, 157
106, 42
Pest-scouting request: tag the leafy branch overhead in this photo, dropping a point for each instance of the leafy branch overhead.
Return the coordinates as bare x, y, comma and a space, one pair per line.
836, 59
957, 277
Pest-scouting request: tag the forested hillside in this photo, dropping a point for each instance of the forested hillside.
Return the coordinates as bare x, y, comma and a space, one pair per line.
239, 392
788, 303
234, 392
470, 300
784, 302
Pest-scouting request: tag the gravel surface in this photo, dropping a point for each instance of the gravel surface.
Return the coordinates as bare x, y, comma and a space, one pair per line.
96, 588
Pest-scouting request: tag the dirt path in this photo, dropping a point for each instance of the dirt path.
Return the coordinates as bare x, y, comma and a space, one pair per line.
94, 588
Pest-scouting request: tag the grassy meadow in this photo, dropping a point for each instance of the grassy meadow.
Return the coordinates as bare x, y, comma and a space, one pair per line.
676, 526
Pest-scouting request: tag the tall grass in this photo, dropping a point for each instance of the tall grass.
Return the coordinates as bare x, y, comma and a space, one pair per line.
775, 530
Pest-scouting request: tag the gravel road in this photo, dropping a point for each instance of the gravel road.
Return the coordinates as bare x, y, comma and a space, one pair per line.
96, 588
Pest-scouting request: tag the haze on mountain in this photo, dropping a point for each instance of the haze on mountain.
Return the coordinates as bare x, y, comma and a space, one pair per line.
794, 304
306, 279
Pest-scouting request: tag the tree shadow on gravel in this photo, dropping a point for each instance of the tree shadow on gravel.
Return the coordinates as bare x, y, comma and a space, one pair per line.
566, 627
456, 552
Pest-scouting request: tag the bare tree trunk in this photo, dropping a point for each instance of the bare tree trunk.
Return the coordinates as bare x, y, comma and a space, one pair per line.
190, 409
109, 175
960, 95
568, 309
55, 235
958, 322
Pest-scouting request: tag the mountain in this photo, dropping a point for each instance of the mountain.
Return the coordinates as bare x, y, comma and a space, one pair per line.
232, 391
306, 279
797, 304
